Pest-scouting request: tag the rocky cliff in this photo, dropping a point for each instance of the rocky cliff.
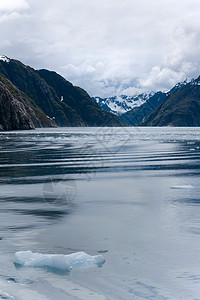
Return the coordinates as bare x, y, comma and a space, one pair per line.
14, 114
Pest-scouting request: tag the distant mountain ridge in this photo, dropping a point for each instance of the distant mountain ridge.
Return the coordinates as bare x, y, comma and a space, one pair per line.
177, 107
181, 107
54, 100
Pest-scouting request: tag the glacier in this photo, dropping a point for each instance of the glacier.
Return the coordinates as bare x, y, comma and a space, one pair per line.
123, 103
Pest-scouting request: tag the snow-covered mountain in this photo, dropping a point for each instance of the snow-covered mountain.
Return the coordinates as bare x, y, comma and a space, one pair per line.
121, 104
4, 58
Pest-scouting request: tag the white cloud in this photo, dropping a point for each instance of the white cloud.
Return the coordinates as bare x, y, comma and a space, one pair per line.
107, 47
10, 17
11, 10
13, 5
161, 77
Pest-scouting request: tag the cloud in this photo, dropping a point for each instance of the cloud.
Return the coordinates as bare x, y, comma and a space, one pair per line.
11, 10
9, 17
13, 5
162, 78
106, 47
181, 61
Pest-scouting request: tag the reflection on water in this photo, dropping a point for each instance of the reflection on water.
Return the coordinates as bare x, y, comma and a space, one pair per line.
132, 193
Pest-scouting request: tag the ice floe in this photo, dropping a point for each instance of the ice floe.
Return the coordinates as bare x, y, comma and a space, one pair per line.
57, 261
182, 187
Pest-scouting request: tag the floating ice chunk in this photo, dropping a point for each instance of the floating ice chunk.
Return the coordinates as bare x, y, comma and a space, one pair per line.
182, 187
57, 261
103, 251
38, 260
81, 259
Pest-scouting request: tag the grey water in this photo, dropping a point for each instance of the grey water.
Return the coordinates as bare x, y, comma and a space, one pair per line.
131, 194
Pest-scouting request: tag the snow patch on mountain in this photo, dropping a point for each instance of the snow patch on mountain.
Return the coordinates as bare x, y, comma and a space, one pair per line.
121, 104
4, 58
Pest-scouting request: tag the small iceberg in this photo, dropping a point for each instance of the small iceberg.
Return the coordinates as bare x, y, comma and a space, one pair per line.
102, 251
182, 187
57, 261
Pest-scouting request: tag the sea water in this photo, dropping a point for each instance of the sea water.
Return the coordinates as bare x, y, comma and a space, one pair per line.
128, 195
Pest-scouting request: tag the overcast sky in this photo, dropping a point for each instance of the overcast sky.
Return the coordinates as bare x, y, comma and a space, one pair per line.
106, 46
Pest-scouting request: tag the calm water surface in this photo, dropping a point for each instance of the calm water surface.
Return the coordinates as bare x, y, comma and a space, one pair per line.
131, 193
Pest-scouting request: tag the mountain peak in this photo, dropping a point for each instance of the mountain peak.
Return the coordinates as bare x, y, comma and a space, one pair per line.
4, 58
